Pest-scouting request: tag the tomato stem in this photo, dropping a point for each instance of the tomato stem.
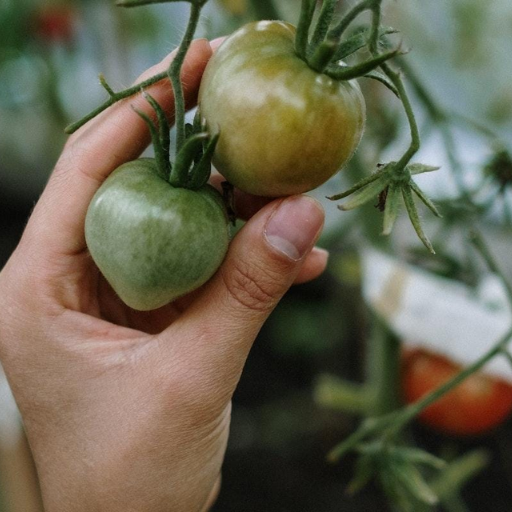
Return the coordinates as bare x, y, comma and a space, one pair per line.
323, 55
174, 73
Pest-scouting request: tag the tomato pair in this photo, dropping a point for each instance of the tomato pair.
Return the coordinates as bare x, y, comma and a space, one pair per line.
284, 129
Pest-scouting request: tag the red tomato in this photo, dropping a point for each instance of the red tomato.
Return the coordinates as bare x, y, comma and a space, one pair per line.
477, 405
55, 23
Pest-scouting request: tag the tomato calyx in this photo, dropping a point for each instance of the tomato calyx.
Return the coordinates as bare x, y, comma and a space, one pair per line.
324, 50
390, 182
192, 166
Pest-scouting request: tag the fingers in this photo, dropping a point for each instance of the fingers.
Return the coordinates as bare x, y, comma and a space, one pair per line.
264, 260
114, 137
313, 266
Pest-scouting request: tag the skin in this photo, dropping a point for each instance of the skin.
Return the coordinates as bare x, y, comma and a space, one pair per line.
284, 128
126, 410
474, 407
154, 242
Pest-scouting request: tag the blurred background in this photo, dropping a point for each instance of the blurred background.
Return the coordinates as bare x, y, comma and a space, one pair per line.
284, 417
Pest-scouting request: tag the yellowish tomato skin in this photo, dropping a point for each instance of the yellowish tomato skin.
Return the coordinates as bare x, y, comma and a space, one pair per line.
284, 128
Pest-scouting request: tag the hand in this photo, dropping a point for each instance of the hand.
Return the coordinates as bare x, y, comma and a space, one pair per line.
129, 411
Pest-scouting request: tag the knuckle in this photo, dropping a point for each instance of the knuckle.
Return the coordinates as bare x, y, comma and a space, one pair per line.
253, 287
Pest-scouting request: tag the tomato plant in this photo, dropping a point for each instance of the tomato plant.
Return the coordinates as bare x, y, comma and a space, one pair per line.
474, 407
285, 128
154, 242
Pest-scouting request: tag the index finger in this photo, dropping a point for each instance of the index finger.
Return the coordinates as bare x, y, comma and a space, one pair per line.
116, 136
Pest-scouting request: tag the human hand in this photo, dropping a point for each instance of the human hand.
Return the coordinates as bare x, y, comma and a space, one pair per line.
126, 410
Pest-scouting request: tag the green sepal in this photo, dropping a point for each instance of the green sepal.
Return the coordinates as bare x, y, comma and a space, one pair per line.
365, 470
302, 36
367, 193
162, 161
412, 480
431, 206
202, 170
357, 186
359, 40
392, 208
415, 169
163, 125
415, 218
383, 79
185, 159
322, 25
349, 72
418, 456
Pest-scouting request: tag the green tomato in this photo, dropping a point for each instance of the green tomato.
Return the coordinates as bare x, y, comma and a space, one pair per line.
151, 241
284, 128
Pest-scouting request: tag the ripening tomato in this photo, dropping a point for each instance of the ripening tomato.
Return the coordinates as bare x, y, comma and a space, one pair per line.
284, 128
154, 242
478, 404
56, 23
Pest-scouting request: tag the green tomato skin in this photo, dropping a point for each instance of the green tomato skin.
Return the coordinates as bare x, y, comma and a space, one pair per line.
153, 242
284, 128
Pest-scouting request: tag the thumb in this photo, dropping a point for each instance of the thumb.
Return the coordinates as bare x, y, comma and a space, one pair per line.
261, 265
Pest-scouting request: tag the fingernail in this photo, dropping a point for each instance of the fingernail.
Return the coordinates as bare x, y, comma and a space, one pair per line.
294, 226
217, 42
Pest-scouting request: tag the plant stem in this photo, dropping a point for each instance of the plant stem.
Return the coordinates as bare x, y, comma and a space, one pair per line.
383, 369
174, 74
118, 96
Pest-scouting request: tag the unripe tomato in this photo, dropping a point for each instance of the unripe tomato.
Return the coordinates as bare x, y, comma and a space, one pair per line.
153, 242
478, 404
284, 128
